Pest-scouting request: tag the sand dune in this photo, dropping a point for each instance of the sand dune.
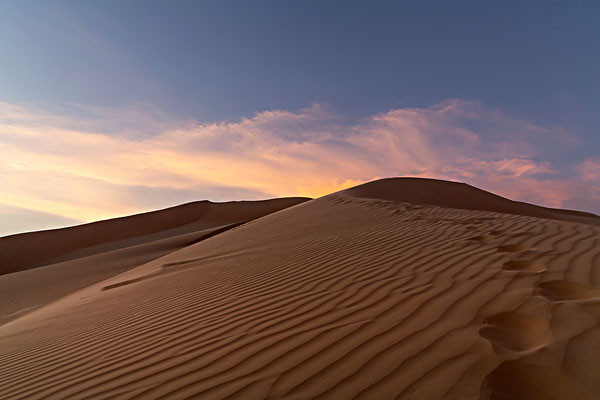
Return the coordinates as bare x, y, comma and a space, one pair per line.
366, 293
29, 250
459, 195
59, 279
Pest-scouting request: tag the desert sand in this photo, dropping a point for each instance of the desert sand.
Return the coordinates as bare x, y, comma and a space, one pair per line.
397, 289
79, 256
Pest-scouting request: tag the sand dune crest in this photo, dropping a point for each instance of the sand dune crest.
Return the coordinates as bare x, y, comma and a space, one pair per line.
340, 297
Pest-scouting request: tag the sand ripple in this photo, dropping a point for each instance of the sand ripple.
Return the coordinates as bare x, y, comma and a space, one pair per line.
336, 298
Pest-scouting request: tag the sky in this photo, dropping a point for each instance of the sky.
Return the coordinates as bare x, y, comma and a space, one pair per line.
116, 107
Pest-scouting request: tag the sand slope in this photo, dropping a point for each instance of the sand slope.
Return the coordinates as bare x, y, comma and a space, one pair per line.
339, 297
29, 250
27, 290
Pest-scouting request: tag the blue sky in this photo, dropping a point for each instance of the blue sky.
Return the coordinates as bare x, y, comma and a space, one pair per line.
145, 71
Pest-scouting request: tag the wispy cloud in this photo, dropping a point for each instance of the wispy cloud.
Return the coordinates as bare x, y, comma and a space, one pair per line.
589, 169
94, 163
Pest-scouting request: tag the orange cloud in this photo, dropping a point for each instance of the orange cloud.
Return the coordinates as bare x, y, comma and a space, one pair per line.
78, 167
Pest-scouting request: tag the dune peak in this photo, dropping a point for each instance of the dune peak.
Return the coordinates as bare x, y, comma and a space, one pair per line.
459, 195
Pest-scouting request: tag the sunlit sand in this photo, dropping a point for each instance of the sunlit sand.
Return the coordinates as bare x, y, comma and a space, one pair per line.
396, 289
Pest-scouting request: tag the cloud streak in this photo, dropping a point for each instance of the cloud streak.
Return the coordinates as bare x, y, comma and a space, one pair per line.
101, 163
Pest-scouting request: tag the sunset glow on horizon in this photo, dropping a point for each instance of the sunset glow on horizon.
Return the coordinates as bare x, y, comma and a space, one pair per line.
88, 176
141, 120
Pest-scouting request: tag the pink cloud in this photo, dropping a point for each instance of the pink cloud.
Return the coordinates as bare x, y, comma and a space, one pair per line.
589, 169
275, 153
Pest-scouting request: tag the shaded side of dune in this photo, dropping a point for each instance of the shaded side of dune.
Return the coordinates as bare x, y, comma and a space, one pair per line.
28, 290
459, 195
34, 249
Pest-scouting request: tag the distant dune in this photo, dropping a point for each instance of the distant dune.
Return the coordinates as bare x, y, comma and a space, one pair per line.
459, 195
28, 250
401, 288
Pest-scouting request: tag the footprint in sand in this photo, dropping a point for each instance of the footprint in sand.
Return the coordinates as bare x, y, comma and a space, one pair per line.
524, 266
513, 248
559, 290
516, 332
501, 232
489, 237
483, 238
518, 380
